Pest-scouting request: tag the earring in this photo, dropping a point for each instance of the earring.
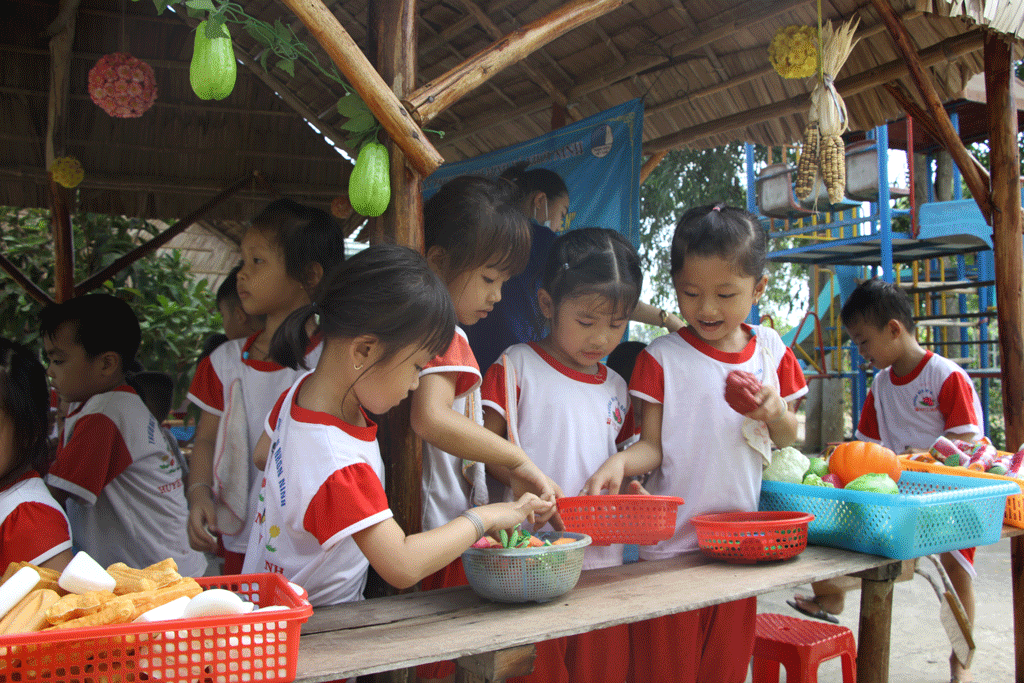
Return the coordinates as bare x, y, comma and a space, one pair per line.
357, 367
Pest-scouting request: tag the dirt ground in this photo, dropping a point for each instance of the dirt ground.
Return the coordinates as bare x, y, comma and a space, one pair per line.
923, 656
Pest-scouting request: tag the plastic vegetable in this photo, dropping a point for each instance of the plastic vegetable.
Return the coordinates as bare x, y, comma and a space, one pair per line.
852, 459
873, 482
67, 171
832, 479
812, 479
818, 466
794, 51
788, 465
1015, 463
369, 186
213, 69
741, 391
122, 85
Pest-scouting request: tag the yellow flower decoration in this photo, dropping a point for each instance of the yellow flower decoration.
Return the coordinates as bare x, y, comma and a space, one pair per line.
794, 51
275, 531
67, 171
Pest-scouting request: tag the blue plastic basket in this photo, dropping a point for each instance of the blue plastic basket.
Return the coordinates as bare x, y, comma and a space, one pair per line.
526, 574
932, 513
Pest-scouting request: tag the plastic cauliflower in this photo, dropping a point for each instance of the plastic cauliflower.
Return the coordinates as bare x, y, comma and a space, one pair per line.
794, 52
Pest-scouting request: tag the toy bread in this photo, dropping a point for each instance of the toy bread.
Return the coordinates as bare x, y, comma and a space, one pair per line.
144, 601
29, 615
76, 605
119, 610
131, 580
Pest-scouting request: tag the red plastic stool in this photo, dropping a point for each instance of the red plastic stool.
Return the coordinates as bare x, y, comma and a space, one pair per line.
801, 646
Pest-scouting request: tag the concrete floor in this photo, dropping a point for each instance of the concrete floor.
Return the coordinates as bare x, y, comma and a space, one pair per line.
923, 656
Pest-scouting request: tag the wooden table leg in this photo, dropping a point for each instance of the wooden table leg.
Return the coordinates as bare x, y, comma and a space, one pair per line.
875, 623
1017, 584
495, 667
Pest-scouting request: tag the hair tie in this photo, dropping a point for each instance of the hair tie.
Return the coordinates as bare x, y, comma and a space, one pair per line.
314, 309
565, 266
717, 208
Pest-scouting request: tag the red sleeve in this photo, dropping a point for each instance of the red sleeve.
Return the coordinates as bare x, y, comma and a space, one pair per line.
93, 455
956, 402
457, 359
207, 388
791, 377
493, 387
868, 424
274, 413
31, 531
648, 378
349, 496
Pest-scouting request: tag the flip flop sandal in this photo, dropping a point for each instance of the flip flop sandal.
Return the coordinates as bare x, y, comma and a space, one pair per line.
820, 614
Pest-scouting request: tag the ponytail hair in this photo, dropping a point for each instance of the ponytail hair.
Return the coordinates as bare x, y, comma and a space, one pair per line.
25, 402
304, 234
593, 261
477, 222
727, 232
536, 180
386, 291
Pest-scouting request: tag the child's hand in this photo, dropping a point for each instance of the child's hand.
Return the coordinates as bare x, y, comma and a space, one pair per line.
771, 406
637, 489
507, 515
608, 477
202, 521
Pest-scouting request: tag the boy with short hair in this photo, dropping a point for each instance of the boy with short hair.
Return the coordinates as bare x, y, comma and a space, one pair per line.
916, 397
122, 489
237, 323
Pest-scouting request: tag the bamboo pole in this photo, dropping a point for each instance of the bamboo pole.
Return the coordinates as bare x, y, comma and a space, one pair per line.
948, 135
143, 250
436, 96
31, 288
947, 50
354, 65
651, 164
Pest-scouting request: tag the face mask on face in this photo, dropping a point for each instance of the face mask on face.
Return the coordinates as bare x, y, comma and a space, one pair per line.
547, 220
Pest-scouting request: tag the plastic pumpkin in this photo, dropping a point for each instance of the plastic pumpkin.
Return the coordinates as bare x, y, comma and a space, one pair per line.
852, 459
122, 85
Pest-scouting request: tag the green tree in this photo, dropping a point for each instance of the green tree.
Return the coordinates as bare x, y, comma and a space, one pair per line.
176, 312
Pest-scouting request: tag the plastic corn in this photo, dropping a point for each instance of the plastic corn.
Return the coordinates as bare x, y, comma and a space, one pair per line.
807, 164
833, 167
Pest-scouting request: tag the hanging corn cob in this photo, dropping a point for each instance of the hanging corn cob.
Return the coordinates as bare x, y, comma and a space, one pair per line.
807, 165
828, 108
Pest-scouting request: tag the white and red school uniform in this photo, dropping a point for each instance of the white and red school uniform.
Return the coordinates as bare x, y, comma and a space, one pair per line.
322, 483
706, 460
910, 412
127, 501
570, 422
263, 382
33, 527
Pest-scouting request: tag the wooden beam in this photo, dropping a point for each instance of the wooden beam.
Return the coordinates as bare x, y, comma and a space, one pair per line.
143, 250
436, 96
947, 50
651, 164
492, 30
947, 134
354, 65
456, 28
31, 288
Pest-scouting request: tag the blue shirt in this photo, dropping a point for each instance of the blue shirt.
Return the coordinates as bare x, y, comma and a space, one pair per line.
517, 317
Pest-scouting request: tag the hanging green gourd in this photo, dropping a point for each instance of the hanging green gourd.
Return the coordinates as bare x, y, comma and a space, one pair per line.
369, 185
212, 72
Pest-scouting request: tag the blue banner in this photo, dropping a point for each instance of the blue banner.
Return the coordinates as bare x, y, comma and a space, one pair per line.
598, 157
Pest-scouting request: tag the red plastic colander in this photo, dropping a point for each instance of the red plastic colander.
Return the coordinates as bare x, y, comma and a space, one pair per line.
635, 519
749, 537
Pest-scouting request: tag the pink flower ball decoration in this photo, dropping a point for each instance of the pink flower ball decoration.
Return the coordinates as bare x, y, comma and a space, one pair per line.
121, 85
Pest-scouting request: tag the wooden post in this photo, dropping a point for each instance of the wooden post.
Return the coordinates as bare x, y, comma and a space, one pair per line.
651, 164
1009, 255
354, 65
393, 30
876, 621
63, 35
436, 96
949, 137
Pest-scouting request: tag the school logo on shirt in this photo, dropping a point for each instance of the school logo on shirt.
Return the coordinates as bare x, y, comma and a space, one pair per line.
616, 412
925, 400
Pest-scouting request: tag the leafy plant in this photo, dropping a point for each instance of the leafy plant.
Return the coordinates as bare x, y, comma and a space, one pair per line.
175, 311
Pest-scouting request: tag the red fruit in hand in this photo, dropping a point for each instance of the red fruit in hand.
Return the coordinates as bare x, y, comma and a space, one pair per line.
741, 391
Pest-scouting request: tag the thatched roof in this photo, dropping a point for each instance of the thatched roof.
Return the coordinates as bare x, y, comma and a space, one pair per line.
695, 64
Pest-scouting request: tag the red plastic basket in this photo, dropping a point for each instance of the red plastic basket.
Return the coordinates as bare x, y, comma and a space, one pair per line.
636, 519
749, 537
259, 646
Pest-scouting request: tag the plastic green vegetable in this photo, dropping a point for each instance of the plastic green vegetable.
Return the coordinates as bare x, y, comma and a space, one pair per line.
814, 480
369, 185
873, 482
212, 70
788, 465
818, 466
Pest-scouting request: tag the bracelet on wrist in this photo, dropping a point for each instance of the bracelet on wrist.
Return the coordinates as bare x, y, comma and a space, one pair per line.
197, 484
664, 317
478, 523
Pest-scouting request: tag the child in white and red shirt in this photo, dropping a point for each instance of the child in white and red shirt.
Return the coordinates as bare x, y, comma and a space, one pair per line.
694, 444
122, 487
33, 527
570, 411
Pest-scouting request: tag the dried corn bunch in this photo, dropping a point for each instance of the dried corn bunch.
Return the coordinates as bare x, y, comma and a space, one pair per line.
807, 164
829, 109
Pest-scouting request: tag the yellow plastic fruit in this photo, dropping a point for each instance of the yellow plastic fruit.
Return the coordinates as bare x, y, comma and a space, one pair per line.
67, 171
794, 51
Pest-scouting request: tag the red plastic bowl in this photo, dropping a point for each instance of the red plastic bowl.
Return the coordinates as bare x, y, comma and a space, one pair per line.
749, 537
634, 519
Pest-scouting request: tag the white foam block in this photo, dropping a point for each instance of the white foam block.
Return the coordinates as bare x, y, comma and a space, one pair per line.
175, 609
84, 574
17, 587
215, 602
